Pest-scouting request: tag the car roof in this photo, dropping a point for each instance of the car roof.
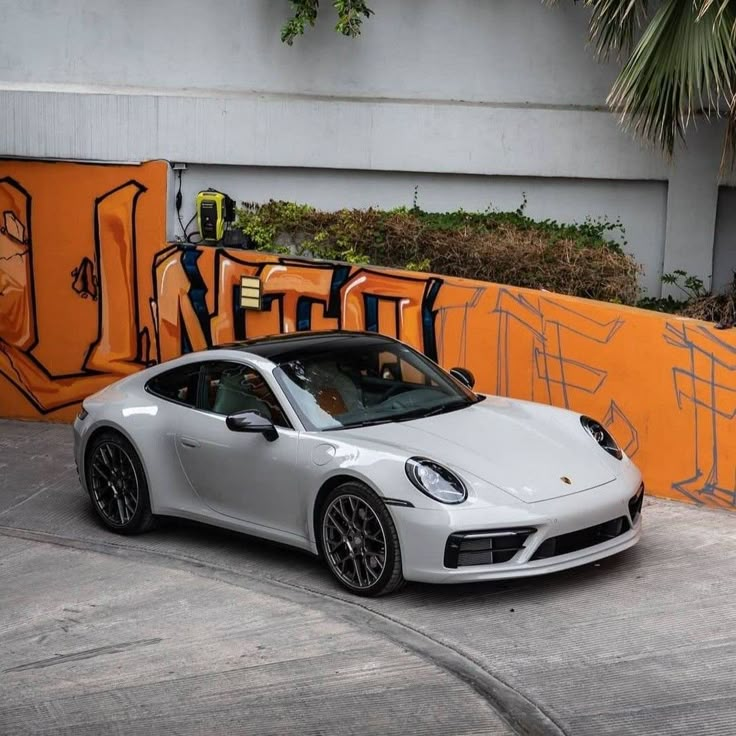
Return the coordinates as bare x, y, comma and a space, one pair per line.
288, 347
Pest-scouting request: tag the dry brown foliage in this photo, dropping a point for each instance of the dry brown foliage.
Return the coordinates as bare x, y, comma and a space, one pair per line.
508, 254
501, 247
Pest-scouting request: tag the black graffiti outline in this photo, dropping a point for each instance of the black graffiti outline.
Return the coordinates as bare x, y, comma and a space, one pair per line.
676, 335
540, 342
20, 384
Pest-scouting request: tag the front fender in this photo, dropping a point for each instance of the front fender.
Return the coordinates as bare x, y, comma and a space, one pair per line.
85, 430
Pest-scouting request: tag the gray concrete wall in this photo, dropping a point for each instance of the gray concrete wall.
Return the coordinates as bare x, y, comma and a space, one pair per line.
408, 50
724, 260
504, 90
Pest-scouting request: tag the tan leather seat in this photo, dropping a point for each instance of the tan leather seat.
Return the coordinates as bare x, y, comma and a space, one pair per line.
336, 393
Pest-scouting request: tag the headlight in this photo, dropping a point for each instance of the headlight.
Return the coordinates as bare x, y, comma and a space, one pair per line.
602, 436
83, 414
435, 481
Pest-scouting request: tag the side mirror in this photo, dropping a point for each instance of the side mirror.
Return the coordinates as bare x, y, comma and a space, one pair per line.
252, 421
464, 376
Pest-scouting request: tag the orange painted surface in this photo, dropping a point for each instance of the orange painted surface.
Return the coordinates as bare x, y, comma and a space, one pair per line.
76, 246
89, 291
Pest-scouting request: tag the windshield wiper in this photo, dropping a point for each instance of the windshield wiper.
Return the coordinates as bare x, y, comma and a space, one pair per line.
366, 423
421, 413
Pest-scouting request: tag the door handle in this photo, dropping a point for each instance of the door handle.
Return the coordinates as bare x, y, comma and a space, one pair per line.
188, 442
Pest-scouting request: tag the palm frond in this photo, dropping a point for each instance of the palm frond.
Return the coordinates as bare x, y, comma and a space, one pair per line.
722, 5
615, 24
684, 63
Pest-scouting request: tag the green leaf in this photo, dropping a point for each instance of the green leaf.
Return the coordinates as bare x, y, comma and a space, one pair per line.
305, 11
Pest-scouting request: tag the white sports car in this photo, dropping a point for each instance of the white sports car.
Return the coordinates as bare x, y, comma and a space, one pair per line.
358, 448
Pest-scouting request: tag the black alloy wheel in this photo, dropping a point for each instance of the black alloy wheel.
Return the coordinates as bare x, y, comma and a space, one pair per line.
359, 541
117, 484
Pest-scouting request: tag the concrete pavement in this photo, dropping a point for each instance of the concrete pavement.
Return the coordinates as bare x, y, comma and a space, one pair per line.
95, 644
167, 627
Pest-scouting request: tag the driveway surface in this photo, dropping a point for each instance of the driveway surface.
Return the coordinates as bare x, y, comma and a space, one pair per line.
189, 629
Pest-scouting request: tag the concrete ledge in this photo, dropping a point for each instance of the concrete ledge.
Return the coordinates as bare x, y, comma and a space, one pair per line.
349, 133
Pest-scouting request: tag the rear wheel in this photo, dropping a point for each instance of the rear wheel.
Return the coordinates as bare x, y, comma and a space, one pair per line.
359, 541
117, 484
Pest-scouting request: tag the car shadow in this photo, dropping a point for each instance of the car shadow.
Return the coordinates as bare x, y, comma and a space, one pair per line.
281, 563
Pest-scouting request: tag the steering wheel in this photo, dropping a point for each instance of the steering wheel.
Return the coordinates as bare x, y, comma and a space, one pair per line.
393, 390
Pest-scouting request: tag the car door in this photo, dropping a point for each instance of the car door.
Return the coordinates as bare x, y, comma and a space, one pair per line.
238, 474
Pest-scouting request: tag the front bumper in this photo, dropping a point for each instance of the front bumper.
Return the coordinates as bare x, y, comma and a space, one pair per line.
424, 533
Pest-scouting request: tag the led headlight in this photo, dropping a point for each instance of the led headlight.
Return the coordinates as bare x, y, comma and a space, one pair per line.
602, 436
435, 481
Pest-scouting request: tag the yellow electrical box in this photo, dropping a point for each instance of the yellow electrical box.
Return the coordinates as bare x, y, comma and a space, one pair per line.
211, 215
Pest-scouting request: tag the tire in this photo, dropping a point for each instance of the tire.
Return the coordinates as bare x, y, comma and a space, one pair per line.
358, 541
117, 484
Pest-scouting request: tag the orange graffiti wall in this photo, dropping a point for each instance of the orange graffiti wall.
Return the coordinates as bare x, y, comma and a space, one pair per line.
90, 290
76, 246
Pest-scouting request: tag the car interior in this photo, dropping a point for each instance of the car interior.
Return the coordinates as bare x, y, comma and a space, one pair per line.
236, 392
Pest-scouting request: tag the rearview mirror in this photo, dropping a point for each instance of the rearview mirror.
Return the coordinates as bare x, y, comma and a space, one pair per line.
252, 421
464, 376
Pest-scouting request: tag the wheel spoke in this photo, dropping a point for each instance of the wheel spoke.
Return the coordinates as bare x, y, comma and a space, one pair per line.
353, 509
342, 559
371, 572
372, 552
335, 545
129, 506
357, 572
103, 458
107, 457
121, 510
340, 510
338, 524
102, 472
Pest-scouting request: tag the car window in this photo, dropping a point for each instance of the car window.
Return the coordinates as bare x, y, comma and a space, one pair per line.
231, 387
376, 384
179, 385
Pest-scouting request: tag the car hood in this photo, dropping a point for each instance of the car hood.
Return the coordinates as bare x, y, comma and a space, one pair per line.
523, 448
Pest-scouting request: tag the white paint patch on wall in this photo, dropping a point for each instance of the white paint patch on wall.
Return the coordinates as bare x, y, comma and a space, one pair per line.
639, 205
724, 257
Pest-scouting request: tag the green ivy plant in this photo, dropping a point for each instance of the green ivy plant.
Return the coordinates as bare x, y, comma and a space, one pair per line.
691, 286
350, 16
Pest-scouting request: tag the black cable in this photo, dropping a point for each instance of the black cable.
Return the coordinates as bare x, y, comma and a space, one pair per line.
178, 209
188, 236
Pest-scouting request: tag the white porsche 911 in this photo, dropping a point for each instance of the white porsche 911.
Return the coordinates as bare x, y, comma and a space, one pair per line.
358, 448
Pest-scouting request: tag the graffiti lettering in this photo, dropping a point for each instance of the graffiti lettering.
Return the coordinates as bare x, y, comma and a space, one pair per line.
90, 292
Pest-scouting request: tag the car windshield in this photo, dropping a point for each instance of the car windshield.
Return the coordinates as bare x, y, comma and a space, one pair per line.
383, 382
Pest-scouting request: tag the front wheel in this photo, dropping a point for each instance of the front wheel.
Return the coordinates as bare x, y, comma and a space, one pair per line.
117, 484
359, 541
